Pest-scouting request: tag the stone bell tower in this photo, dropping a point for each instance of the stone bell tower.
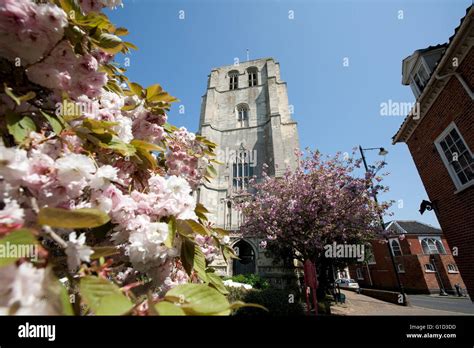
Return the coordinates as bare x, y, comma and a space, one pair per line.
245, 111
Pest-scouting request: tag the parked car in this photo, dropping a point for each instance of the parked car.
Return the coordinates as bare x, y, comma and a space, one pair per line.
347, 283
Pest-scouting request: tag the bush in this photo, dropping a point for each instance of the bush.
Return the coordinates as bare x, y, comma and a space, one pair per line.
255, 280
278, 302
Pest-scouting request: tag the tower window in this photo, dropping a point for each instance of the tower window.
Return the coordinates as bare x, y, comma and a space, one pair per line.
243, 115
242, 171
233, 80
253, 80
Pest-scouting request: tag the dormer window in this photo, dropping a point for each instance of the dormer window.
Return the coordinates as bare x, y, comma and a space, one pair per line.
420, 78
233, 80
253, 80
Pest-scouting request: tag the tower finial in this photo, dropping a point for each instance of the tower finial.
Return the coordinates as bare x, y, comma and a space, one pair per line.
248, 55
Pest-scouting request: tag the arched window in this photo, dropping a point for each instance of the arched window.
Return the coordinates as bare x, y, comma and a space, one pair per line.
401, 268
243, 115
233, 79
359, 274
429, 268
432, 246
452, 268
242, 170
395, 246
253, 76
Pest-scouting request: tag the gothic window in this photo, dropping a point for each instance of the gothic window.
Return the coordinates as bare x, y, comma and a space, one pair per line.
395, 246
253, 80
233, 80
457, 157
242, 171
243, 115
432, 246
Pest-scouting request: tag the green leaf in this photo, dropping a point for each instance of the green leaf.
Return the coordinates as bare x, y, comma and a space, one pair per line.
16, 244
199, 299
197, 227
130, 45
121, 31
64, 299
56, 123
19, 126
136, 88
146, 145
104, 297
187, 255
228, 253
78, 218
72, 8
99, 127
217, 283
169, 309
103, 252
199, 264
109, 43
171, 232
240, 304
9, 92
211, 171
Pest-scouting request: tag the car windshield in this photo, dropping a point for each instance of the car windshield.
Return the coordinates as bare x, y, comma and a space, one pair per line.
352, 281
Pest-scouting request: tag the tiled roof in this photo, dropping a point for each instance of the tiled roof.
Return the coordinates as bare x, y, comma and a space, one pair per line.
413, 227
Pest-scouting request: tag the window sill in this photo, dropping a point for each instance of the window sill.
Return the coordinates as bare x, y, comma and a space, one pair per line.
430, 271
462, 188
453, 272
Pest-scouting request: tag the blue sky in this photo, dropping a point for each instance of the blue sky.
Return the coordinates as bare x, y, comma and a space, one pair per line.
336, 107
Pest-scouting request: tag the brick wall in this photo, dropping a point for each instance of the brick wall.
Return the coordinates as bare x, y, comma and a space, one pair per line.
455, 211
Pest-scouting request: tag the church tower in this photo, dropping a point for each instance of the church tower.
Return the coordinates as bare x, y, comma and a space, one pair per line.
245, 111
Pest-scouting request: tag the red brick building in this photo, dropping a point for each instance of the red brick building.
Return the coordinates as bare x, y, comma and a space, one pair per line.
422, 256
441, 136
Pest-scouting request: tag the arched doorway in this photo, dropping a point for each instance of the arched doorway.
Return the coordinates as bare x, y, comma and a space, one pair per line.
246, 264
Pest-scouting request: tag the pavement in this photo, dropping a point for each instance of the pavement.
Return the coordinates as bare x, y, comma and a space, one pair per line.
445, 303
358, 304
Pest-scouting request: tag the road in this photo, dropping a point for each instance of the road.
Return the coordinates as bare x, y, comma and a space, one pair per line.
445, 303
358, 304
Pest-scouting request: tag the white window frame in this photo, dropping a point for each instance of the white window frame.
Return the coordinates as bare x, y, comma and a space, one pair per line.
454, 268
402, 270
457, 183
359, 274
436, 238
432, 270
399, 246
421, 63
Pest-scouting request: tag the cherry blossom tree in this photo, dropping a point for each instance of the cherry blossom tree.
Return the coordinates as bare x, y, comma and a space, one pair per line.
94, 177
320, 203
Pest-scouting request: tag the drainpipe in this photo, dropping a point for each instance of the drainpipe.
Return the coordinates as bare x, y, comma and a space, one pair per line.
460, 79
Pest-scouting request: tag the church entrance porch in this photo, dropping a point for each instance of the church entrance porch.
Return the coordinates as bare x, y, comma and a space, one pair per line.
246, 254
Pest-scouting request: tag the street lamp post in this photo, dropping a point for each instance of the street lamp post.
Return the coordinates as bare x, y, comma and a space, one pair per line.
383, 152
